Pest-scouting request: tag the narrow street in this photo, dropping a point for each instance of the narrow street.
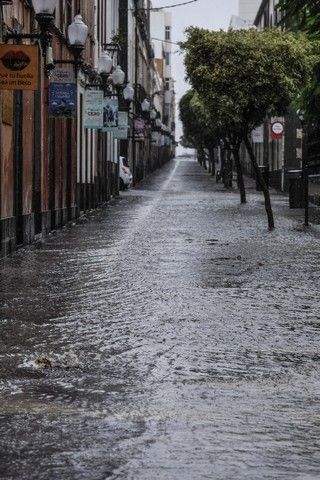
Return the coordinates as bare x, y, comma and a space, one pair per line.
181, 336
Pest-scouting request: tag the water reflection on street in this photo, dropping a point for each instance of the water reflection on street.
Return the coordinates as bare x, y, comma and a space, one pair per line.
182, 341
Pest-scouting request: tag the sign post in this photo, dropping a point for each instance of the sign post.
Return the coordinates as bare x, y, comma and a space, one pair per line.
93, 109
19, 67
62, 93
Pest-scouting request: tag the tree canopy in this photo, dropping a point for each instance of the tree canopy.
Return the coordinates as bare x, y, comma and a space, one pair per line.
303, 15
243, 76
198, 129
246, 75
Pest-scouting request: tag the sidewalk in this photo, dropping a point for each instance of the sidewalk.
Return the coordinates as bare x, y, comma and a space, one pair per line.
276, 195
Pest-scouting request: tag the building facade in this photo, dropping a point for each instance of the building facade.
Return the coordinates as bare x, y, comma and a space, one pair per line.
53, 167
161, 30
248, 10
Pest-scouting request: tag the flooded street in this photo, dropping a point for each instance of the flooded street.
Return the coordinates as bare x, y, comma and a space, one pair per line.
181, 340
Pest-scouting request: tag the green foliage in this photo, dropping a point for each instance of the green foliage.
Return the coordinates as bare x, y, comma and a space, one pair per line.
246, 75
198, 129
303, 15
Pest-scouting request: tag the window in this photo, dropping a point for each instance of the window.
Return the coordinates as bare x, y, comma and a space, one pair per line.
167, 57
167, 33
167, 84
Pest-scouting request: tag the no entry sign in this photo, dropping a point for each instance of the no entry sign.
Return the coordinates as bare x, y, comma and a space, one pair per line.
277, 130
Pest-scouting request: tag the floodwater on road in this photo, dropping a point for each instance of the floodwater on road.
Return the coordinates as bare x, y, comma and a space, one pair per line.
181, 340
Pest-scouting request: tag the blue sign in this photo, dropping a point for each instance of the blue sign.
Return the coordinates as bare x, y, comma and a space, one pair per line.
110, 114
62, 99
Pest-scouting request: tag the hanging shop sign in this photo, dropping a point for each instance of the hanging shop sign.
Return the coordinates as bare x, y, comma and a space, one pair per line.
19, 67
62, 75
110, 114
121, 131
62, 99
93, 109
277, 130
156, 139
139, 129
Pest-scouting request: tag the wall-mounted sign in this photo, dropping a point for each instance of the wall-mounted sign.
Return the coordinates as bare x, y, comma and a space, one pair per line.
62, 75
277, 130
139, 129
258, 134
110, 114
19, 67
62, 99
121, 132
156, 139
93, 109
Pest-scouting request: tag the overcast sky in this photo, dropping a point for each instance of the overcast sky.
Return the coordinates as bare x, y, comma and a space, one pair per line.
211, 14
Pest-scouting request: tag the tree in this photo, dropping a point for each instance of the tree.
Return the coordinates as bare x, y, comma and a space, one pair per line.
198, 129
247, 75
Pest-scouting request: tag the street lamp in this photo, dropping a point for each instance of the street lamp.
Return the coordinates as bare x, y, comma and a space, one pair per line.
145, 105
118, 77
77, 35
153, 114
44, 8
128, 93
105, 63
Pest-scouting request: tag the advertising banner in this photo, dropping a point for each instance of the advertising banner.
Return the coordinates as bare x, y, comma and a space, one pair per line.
121, 132
19, 67
93, 109
110, 114
156, 139
62, 99
139, 129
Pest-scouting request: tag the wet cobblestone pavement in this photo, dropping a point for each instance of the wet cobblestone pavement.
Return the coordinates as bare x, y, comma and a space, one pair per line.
182, 336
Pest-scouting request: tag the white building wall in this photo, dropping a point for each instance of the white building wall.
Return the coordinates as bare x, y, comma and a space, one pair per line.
248, 9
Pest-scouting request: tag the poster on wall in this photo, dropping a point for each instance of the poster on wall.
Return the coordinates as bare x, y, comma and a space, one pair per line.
93, 109
19, 67
139, 129
110, 114
121, 132
62, 99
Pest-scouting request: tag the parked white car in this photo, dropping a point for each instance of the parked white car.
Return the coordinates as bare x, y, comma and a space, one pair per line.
125, 175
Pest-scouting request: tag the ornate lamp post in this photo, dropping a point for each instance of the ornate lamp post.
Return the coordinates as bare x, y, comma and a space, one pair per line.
77, 36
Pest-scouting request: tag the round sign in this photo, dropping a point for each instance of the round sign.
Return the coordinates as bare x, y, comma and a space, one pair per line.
277, 128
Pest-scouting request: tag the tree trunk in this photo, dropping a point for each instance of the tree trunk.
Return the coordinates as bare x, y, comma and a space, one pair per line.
261, 181
227, 173
212, 161
239, 174
223, 162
